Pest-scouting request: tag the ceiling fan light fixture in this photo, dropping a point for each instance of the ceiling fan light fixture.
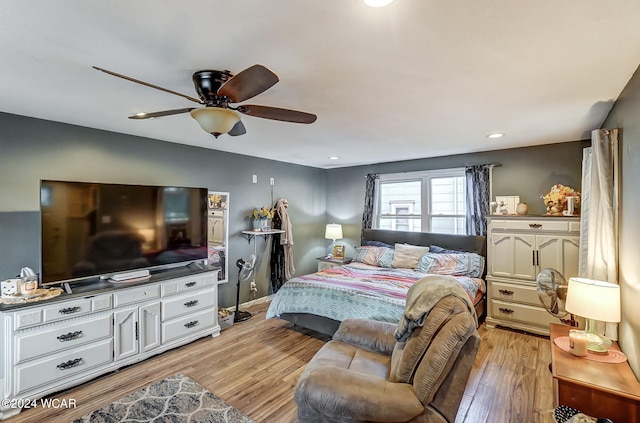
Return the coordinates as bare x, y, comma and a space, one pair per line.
377, 3
215, 120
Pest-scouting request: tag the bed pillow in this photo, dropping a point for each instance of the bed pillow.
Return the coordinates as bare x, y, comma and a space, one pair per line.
374, 256
407, 256
441, 250
464, 264
372, 243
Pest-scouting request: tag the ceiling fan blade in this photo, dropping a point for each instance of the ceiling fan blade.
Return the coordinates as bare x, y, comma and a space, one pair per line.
276, 113
238, 129
161, 113
248, 83
146, 84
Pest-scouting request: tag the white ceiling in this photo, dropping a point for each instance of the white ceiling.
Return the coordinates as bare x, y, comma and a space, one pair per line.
418, 78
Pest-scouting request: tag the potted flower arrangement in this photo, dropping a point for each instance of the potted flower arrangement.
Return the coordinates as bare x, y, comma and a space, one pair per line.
557, 199
261, 218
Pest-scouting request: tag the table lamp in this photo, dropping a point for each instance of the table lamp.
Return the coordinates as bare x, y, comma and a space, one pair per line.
333, 231
595, 301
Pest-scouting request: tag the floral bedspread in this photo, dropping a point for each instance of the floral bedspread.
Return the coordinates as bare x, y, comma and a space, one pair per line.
355, 290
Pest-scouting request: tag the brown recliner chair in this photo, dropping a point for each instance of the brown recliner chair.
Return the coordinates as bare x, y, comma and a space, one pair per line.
415, 371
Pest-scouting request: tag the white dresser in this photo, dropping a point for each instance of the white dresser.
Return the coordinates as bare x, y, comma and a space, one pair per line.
518, 248
60, 343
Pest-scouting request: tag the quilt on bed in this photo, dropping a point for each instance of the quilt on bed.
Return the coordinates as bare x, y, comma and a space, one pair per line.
355, 290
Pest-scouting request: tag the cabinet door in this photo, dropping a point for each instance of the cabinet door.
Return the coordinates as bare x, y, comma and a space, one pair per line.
125, 333
501, 255
512, 256
549, 252
570, 255
149, 330
523, 247
560, 253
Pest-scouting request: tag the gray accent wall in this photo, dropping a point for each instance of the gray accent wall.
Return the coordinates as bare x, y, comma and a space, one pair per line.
625, 115
528, 172
34, 149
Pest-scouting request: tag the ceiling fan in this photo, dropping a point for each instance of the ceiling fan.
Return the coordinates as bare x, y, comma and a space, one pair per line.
217, 91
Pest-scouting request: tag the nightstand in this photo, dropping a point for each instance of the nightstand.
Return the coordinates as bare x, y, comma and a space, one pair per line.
327, 263
596, 389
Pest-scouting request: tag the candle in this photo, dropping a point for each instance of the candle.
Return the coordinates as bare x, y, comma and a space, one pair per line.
578, 343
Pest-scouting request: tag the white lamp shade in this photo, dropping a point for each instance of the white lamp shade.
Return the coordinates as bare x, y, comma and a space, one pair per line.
333, 231
215, 120
593, 299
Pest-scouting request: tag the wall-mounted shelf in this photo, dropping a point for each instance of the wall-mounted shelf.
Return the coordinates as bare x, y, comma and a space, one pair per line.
251, 234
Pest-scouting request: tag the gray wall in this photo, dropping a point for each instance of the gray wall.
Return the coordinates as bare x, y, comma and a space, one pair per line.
528, 172
625, 114
33, 149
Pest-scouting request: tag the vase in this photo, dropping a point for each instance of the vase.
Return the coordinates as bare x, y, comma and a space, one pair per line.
522, 209
554, 209
257, 224
265, 225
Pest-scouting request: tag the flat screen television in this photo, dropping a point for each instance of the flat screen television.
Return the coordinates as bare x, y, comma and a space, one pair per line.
91, 230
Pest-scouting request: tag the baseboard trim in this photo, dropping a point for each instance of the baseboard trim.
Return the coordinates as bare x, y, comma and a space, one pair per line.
260, 300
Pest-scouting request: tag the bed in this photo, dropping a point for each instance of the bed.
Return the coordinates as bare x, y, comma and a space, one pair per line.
375, 284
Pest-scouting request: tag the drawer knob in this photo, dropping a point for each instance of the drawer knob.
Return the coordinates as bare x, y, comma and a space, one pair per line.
190, 284
505, 292
69, 364
535, 225
191, 303
70, 336
69, 310
506, 310
191, 324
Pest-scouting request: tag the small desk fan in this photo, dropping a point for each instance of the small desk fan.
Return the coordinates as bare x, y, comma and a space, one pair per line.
245, 271
552, 292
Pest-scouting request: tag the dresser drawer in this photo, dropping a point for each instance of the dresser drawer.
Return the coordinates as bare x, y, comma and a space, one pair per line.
61, 366
57, 311
175, 307
36, 343
526, 294
530, 315
531, 225
135, 295
188, 325
182, 285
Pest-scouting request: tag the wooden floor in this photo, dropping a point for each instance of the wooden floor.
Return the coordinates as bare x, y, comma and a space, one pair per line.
254, 366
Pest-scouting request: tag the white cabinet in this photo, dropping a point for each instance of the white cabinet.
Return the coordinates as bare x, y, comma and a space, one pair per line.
136, 330
522, 256
60, 343
518, 249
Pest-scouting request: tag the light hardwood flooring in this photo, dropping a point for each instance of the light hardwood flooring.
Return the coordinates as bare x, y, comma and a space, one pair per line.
255, 365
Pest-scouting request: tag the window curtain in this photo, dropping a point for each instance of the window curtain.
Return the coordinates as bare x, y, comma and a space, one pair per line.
598, 257
478, 198
369, 202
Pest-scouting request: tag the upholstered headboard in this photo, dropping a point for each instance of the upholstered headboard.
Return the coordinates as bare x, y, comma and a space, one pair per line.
470, 243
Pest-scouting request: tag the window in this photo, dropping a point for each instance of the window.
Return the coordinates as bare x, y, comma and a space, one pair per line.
430, 201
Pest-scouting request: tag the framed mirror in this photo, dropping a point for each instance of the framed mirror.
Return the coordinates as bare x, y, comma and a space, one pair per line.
218, 232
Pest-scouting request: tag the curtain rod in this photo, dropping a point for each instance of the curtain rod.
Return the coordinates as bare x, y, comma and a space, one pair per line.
440, 168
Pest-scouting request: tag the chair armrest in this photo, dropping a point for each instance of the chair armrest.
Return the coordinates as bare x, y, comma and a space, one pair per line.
369, 334
340, 395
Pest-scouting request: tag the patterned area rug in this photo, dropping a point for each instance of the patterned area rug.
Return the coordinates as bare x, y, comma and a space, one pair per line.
174, 399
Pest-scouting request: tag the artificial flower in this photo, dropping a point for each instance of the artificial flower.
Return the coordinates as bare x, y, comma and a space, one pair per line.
558, 195
263, 213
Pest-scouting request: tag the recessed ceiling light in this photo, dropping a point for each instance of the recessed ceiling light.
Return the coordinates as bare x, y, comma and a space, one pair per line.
496, 135
333, 157
377, 3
